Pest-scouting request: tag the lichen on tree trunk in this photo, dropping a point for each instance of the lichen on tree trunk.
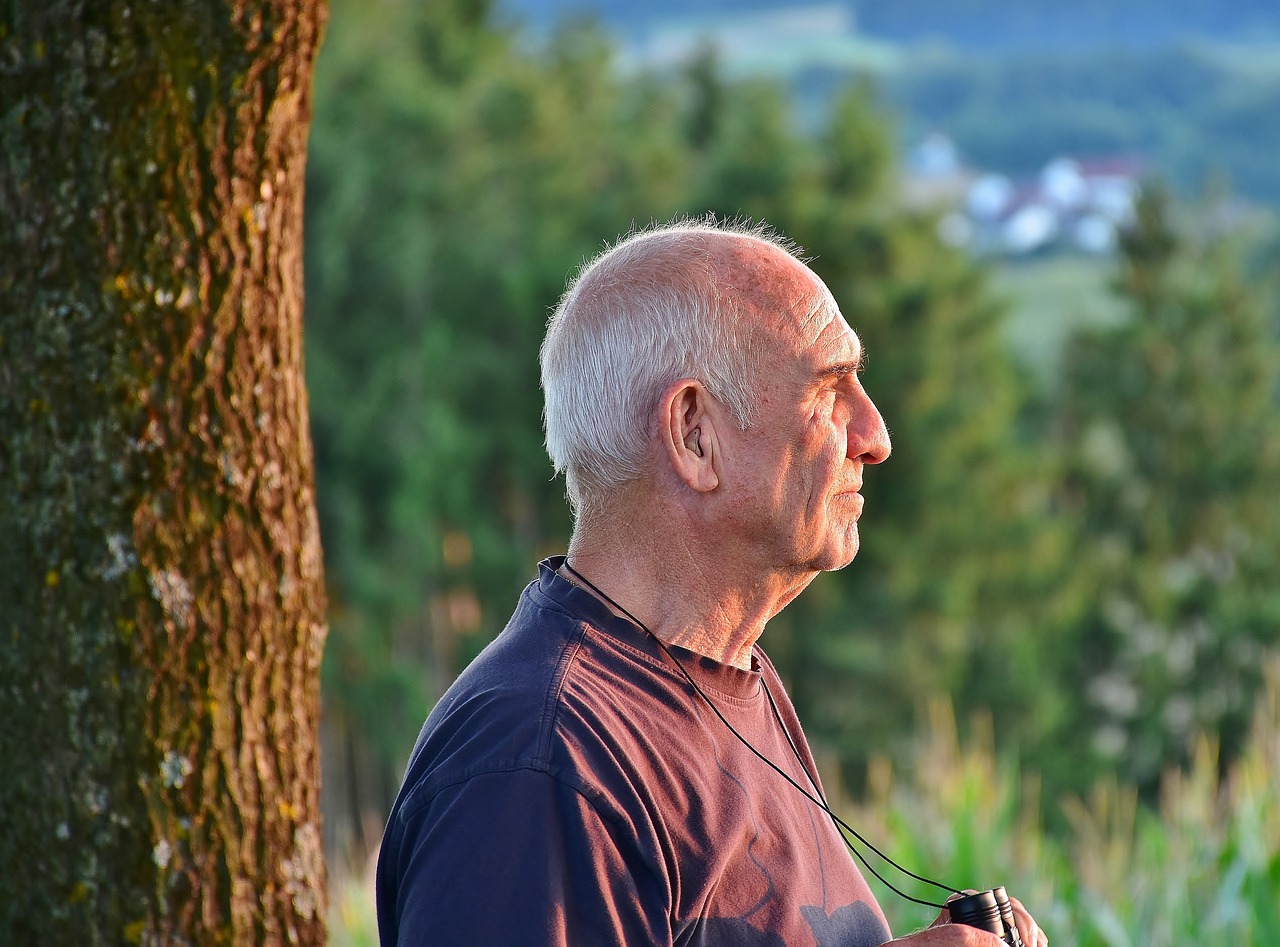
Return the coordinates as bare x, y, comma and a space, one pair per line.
161, 589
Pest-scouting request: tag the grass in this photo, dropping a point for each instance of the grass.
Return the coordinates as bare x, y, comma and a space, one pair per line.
1202, 868
353, 920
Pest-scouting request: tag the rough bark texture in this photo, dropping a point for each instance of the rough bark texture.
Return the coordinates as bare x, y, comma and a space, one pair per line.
161, 593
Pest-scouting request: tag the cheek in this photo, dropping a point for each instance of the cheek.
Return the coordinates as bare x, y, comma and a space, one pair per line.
820, 461
825, 448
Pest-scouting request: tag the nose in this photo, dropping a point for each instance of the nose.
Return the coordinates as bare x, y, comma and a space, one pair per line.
868, 437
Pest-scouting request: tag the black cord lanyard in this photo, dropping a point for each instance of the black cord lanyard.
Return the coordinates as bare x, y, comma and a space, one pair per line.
814, 797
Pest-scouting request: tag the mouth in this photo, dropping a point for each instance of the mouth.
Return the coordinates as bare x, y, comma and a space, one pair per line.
854, 497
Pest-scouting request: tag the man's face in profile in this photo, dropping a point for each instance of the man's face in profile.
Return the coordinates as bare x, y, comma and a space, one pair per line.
800, 463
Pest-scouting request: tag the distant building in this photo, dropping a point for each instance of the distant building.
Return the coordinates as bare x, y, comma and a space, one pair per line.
934, 175
1073, 203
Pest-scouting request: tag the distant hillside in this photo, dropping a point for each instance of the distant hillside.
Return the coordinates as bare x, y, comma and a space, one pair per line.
1078, 24
1189, 86
972, 24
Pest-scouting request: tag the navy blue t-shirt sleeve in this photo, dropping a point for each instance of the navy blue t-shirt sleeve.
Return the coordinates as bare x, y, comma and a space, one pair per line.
517, 857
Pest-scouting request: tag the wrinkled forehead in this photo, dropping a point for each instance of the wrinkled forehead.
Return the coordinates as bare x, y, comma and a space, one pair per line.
788, 301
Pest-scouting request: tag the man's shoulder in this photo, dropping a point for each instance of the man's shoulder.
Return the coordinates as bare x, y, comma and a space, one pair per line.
554, 692
499, 707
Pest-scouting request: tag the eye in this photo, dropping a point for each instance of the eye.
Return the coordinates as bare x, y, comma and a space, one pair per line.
845, 378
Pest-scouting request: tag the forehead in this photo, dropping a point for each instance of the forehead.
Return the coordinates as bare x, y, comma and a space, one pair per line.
805, 320
822, 331
795, 315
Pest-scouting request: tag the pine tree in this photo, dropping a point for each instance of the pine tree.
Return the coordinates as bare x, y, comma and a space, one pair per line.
1175, 456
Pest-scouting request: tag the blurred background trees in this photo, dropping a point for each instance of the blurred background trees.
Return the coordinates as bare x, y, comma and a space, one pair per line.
1073, 550
1173, 460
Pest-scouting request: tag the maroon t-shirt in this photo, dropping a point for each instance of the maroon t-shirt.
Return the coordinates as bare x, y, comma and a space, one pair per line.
571, 788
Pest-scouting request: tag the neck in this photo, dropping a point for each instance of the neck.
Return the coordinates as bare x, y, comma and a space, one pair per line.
683, 595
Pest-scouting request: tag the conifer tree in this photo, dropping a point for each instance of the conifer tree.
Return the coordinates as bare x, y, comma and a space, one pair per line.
434, 259
1174, 460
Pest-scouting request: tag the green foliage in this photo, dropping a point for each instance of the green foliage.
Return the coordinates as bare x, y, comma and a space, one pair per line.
456, 178
958, 547
1051, 298
1173, 457
1201, 868
459, 173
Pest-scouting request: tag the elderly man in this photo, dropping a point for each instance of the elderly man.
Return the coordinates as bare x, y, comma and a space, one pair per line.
622, 765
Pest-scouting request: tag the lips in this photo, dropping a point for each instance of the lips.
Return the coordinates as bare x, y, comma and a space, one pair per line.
855, 497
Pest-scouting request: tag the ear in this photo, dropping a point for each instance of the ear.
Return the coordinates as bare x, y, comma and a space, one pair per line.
689, 434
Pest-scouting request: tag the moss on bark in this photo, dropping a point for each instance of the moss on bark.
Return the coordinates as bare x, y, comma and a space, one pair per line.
161, 595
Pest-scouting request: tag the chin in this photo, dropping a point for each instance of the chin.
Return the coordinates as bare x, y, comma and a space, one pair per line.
837, 564
836, 557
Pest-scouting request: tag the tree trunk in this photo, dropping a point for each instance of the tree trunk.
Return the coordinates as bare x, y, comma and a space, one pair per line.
161, 588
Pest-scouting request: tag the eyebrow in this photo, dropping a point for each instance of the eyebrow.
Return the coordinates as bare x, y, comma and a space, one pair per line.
840, 369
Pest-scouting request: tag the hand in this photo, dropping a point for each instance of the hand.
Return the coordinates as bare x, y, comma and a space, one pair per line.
1028, 929
943, 932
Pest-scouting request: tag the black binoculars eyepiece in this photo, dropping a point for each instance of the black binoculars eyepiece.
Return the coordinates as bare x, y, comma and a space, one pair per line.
989, 911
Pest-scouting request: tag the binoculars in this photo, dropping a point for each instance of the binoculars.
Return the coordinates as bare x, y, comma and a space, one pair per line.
989, 911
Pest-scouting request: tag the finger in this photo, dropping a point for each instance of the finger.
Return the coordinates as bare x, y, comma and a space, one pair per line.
1028, 929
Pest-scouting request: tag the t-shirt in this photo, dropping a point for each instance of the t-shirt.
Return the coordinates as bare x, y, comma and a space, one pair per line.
572, 788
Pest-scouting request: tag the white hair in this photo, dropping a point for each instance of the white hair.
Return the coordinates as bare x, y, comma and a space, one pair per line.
658, 306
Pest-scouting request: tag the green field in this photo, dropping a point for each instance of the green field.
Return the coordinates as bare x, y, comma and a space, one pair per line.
1049, 298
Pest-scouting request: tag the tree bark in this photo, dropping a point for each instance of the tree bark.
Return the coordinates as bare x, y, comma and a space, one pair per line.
161, 587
